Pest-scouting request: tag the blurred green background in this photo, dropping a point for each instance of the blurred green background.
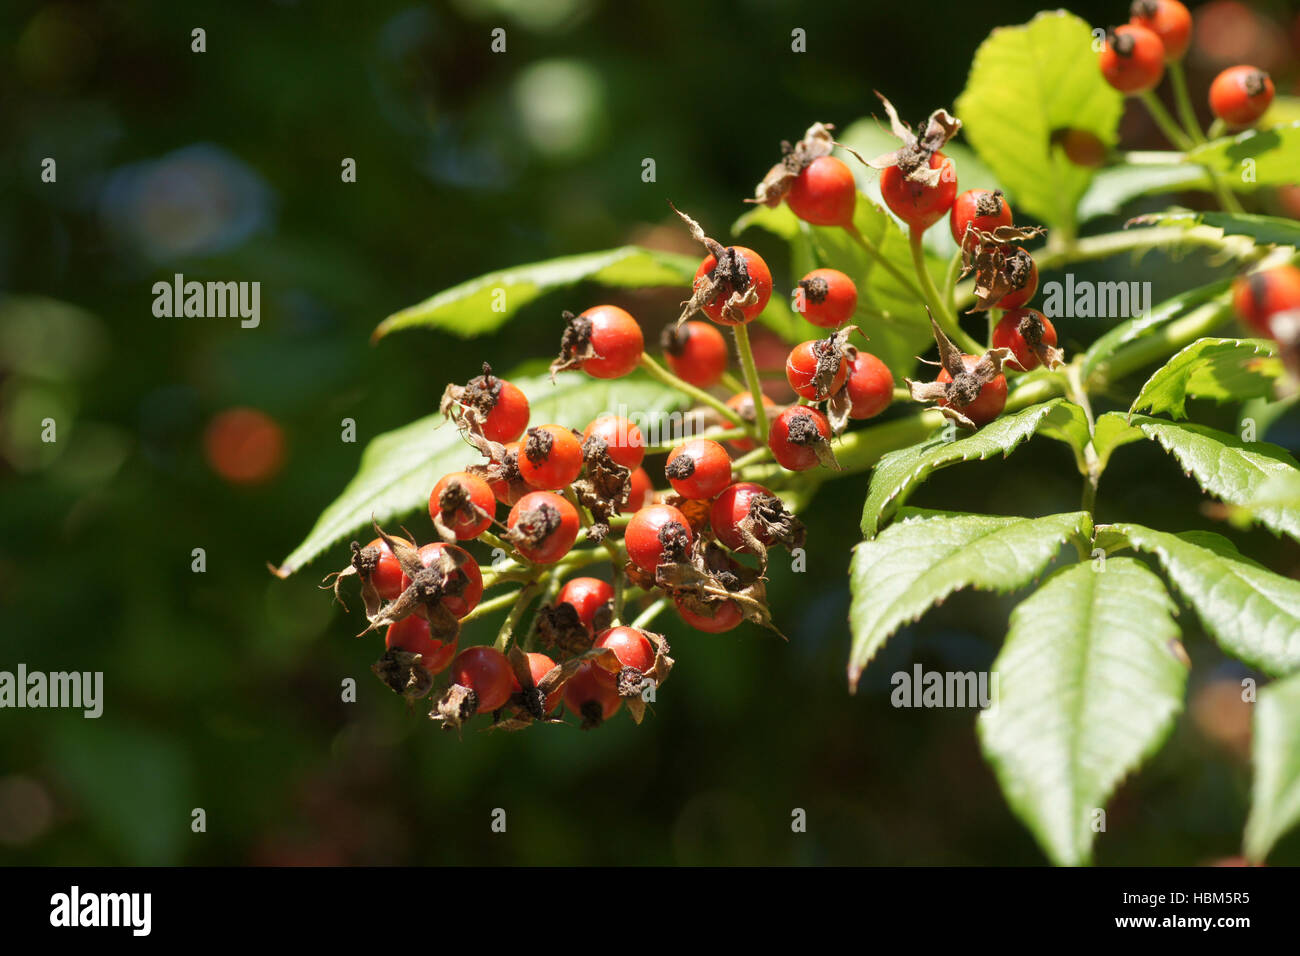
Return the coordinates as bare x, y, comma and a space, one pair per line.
222, 688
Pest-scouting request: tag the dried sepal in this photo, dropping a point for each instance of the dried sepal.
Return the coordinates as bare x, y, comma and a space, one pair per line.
426, 588
728, 279
401, 672
768, 521
529, 700
534, 525
832, 354
802, 431
454, 504
605, 487
575, 344
965, 386
502, 465
455, 706
913, 157
470, 404
997, 273
1031, 330
712, 575
559, 626
840, 405
816, 143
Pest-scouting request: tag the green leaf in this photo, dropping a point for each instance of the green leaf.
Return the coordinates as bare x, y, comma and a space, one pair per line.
1270, 156
927, 555
484, 304
1275, 752
1253, 613
399, 468
1227, 467
1113, 430
1114, 186
1221, 369
1264, 230
901, 471
1026, 82
1102, 350
1089, 683
890, 314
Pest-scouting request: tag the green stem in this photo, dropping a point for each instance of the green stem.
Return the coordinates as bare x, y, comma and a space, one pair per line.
1091, 464
522, 600
657, 371
1164, 120
870, 248
950, 281
492, 604
1192, 137
650, 613
1183, 102
731, 383
1152, 157
751, 377
859, 450
717, 434
752, 457
930, 295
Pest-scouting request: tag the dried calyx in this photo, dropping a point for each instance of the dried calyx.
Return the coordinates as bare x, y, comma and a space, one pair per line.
728, 280
997, 269
966, 384
575, 344
605, 488
711, 576
454, 504
802, 430
913, 157
795, 158
470, 404
1031, 330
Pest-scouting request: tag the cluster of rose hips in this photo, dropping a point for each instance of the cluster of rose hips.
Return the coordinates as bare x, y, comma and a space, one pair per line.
1134, 56
683, 543
919, 185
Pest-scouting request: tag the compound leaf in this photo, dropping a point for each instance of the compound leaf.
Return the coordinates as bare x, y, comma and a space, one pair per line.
1220, 369
1089, 682
900, 471
920, 560
1227, 467
1251, 612
484, 304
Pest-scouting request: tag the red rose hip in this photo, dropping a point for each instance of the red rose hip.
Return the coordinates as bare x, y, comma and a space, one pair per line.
550, 457
824, 193
462, 503
658, 534
698, 469
828, 298
543, 526
486, 672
